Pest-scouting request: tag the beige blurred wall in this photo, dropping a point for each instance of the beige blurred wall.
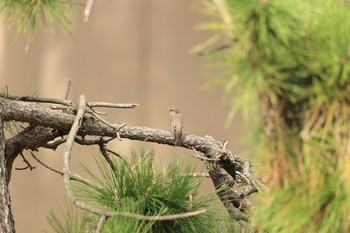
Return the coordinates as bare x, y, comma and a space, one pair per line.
130, 51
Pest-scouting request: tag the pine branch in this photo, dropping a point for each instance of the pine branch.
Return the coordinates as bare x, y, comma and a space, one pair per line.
51, 123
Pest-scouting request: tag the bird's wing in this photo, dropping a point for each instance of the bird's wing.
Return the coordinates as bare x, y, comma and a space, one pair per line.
176, 122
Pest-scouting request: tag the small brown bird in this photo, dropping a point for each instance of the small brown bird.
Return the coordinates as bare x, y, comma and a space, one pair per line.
176, 124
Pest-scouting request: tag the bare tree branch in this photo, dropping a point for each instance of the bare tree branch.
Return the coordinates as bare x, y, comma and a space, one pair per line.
224, 166
66, 177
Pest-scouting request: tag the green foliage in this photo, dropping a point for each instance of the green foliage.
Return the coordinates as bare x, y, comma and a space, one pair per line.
134, 186
28, 15
288, 68
73, 222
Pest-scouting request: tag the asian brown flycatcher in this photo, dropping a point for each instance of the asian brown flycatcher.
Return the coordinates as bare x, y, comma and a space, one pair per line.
176, 124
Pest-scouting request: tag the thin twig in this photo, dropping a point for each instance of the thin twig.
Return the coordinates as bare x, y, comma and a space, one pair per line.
100, 223
53, 145
247, 180
44, 164
111, 105
67, 102
68, 89
224, 147
113, 152
73, 176
26, 162
92, 112
107, 158
41, 100
116, 128
88, 8
69, 145
158, 218
100, 212
201, 157
198, 174
86, 142
98, 112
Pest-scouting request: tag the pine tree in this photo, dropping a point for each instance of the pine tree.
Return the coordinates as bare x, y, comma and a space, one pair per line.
128, 196
287, 66
27, 16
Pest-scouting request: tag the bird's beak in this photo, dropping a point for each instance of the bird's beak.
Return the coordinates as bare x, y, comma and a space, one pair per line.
168, 108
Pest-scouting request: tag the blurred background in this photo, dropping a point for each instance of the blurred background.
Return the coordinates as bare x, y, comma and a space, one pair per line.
130, 51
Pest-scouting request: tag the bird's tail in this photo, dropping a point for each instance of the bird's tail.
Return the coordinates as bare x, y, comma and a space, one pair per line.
178, 136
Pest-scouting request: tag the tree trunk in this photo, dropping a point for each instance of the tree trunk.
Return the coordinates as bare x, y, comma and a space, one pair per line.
7, 223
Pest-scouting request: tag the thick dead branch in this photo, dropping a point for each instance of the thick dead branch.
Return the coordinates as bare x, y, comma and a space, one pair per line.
224, 166
32, 137
67, 178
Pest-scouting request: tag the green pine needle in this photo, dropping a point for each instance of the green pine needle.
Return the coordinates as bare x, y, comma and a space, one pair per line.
288, 69
27, 16
136, 187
